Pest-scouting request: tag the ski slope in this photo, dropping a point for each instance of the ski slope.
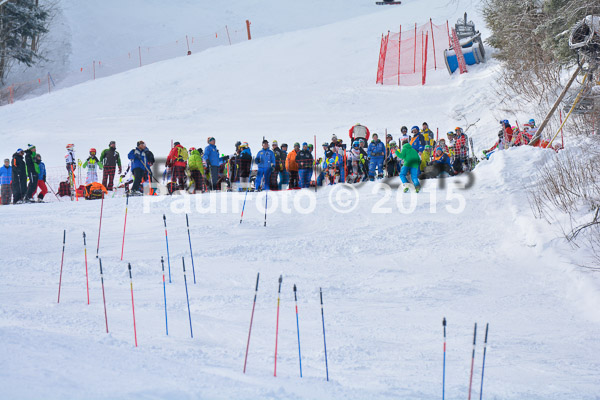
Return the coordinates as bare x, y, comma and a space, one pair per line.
389, 273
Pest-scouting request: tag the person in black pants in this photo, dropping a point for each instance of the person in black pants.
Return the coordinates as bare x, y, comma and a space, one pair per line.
19, 177
32, 172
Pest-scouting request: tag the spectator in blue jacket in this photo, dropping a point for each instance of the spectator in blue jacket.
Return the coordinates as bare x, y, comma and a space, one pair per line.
5, 182
139, 166
376, 152
418, 140
265, 160
212, 159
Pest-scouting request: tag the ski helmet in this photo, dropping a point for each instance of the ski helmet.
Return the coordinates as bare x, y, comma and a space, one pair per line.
532, 122
458, 129
93, 150
284, 145
414, 128
70, 146
393, 143
296, 144
274, 142
191, 149
404, 129
356, 143
304, 144
325, 144
244, 145
450, 133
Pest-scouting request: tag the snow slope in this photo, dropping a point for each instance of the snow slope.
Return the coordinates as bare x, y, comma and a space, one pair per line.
388, 278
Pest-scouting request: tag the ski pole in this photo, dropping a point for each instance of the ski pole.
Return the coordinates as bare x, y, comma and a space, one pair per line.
132, 306
87, 285
298, 330
61, 264
162, 261
100, 227
483, 367
277, 325
444, 367
187, 297
472, 360
324, 341
103, 296
251, 319
55, 195
167, 239
187, 221
266, 199
244, 206
124, 225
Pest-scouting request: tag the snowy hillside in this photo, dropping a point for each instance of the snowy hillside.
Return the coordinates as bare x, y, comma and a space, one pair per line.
390, 269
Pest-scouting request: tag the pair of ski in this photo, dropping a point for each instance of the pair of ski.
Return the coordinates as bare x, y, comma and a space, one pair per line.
472, 361
277, 327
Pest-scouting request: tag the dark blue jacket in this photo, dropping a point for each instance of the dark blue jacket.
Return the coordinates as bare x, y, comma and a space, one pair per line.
376, 149
418, 142
139, 158
444, 159
265, 158
5, 175
211, 155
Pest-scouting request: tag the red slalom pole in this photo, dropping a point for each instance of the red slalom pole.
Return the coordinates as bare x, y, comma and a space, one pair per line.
87, 284
124, 226
472, 360
103, 296
277, 326
132, 305
100, 227
251, 319
61, 263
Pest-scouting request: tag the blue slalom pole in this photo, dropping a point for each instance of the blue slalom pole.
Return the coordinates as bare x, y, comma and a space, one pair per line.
298, 330
187, 297
444, 368
162, 261
167, 239
187, 221
483, 367
244, 206
324, 341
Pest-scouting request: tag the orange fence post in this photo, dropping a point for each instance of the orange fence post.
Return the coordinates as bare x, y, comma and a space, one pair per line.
248, 29
425, 61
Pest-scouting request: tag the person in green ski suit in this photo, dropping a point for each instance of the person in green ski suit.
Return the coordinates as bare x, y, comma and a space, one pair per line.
33, 171
196, 169
412, 162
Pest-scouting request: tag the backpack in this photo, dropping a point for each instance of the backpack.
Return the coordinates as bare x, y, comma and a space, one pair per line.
182, 154
94, 191
64, 189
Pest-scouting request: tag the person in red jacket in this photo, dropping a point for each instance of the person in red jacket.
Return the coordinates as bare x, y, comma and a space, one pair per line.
359, 131
177, 160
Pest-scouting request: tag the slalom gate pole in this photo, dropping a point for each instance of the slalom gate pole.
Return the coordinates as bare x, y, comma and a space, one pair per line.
324, 341
472, 360
315, 168
187, 297
251, 319
124, 225
277, 325
266, 199
244, 206
444, 364
483, 367
61, 264
162, 261
167, 239
100, 227
132, 306
53, 192
103, 296
187, 221
87, 284
298, 330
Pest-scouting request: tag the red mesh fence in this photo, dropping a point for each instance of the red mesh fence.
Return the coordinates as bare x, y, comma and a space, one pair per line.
405, 57
135, 58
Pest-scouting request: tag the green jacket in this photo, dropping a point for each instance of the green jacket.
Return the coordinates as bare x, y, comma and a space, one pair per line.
92, 161
425, 157
409, 155
195, 162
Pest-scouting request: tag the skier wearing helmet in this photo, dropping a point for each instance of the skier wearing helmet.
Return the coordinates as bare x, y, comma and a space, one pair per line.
92, 164
417, 141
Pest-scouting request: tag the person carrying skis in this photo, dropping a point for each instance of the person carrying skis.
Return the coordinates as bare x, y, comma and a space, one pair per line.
177, 159
19, 177
418, 140
139, 166
110, 159
196, 170
359, 131
92, 164
41, 184
71, 163
376, 152
265, 159
5, 182
33, 171
213, 161
304, 159
412, 161
292, 166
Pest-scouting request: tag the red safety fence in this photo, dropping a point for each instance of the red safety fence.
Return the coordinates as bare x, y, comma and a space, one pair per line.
405, 57
135, 58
